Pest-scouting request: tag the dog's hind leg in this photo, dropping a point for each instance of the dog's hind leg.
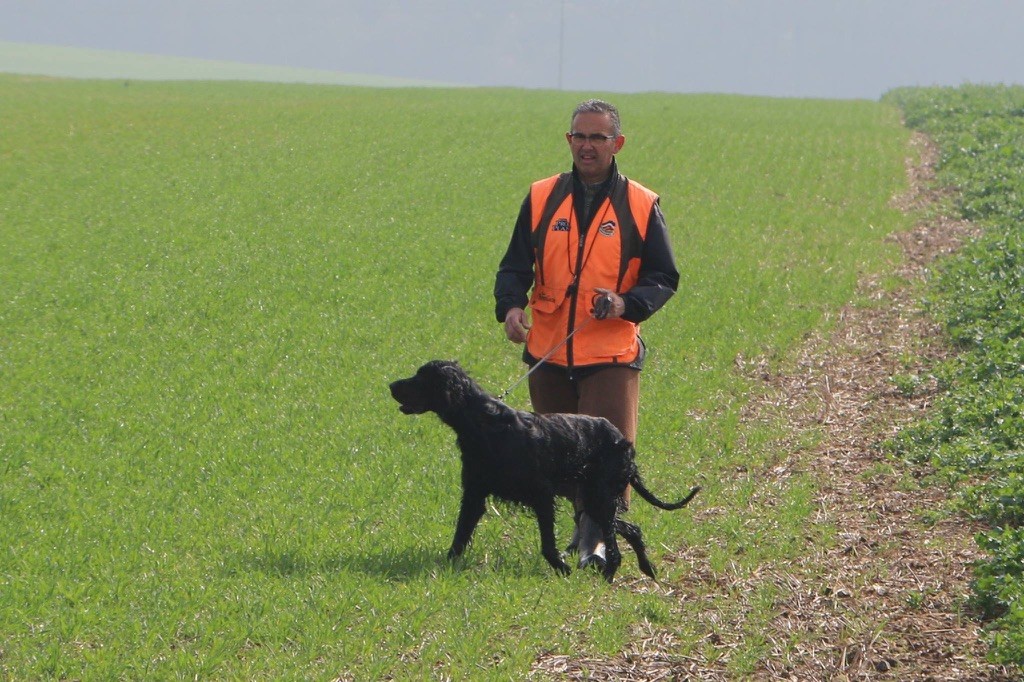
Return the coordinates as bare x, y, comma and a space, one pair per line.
602, 512
635, 539
545, 512
469, 515
613, 557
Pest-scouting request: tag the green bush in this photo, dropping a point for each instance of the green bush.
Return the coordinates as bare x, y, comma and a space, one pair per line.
998, 594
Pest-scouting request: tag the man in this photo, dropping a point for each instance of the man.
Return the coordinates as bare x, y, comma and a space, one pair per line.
594, 247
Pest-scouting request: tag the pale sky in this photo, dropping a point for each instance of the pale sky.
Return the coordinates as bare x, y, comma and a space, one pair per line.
788, 48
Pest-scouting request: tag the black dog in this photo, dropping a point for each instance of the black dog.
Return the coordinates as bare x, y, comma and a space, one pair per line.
530, 458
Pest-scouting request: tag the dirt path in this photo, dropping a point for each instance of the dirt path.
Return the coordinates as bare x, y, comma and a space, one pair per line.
886, 602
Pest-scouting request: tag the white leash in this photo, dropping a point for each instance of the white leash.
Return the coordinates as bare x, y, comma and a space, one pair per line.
602, 306
543, 359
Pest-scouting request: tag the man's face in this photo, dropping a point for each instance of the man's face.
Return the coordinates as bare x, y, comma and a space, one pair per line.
593, 157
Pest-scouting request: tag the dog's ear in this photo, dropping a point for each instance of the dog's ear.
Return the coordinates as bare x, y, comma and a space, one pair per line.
451, 372
456, 383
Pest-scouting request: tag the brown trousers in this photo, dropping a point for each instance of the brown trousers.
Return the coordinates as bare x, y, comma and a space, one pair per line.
611, 392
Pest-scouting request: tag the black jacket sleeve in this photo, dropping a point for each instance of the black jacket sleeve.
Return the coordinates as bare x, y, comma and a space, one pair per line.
515, 272
658, 277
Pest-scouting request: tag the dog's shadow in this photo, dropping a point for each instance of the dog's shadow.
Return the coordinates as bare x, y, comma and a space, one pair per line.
394, 564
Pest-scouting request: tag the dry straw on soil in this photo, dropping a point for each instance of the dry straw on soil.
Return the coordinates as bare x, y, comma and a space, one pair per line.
887, 600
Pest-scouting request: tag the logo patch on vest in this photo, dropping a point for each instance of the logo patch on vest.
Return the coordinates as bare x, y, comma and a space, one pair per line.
607, 228
562, 225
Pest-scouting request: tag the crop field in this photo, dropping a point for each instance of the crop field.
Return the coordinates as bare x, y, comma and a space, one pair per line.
205, 289
974, 437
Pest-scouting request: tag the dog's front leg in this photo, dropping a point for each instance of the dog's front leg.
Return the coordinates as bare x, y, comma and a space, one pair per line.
546, 523
469, 515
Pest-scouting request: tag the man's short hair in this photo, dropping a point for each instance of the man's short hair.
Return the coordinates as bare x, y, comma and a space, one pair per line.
598, 106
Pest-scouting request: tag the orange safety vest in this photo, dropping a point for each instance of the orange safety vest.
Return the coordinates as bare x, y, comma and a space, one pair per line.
567, 272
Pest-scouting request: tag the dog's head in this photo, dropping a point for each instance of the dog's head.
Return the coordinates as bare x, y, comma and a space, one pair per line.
434, 388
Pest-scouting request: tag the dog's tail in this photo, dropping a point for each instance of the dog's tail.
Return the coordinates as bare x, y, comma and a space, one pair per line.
638, 485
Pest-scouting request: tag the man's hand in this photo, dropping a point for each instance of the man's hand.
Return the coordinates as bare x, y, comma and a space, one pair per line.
516, 325
616, 306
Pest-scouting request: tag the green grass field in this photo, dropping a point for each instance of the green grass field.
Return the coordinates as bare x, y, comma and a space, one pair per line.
205, 289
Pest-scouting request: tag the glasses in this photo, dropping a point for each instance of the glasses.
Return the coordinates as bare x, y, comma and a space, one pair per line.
593, 138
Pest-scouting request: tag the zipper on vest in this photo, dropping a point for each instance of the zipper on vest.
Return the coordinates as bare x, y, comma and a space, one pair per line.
573, 292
